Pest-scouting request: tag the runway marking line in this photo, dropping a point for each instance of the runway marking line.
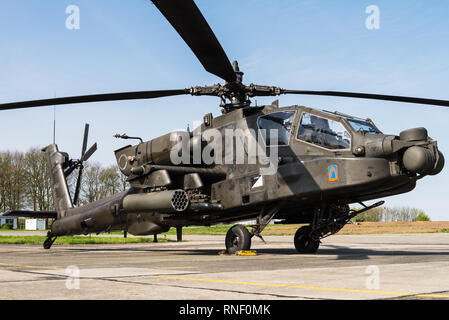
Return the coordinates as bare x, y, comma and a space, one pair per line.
57, 268
303, 287
29, 267
174, 268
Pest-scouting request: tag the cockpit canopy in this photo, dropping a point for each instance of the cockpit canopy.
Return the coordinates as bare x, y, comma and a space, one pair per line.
281, 121
363, 126
322, 131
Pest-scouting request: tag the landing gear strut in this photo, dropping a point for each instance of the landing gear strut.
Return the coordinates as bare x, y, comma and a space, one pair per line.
49, 241
263, 220
239, 238
179, 233
327, 220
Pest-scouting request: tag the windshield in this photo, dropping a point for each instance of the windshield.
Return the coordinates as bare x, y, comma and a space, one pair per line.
362, 126
280, 121
323, 132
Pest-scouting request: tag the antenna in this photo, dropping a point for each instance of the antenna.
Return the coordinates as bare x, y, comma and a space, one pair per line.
54, 123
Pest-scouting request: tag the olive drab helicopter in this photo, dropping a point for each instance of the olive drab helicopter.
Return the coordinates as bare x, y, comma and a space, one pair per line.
323, 161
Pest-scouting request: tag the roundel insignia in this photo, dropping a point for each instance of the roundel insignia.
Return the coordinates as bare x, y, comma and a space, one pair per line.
332, 172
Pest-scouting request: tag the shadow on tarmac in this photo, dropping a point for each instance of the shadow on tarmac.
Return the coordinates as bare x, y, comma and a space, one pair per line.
339, 252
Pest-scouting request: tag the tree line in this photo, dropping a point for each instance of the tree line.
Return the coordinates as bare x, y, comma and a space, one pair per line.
25, 182
390, 214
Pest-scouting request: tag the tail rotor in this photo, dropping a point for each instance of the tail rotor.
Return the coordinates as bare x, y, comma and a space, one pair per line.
78, 164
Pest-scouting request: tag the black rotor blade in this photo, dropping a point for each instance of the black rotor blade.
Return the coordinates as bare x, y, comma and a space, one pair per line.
78, 186
69, 171
89, 152
94, 98
435, 102
190, 24
84, 157
86, 135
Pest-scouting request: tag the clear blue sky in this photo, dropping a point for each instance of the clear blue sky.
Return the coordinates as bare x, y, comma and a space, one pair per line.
316, 45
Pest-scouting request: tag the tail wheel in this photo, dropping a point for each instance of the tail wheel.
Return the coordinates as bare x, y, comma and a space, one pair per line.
49, 242
237, 238
304, 243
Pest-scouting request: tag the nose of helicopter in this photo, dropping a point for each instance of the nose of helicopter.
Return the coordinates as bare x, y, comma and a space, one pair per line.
422, 156
423, 160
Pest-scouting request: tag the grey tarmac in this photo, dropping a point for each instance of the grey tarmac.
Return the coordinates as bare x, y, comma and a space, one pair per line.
394, 266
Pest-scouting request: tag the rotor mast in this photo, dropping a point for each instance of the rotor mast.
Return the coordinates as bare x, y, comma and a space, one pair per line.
237, 96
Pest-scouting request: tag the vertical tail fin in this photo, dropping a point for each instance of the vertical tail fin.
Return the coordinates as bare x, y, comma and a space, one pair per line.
55, 163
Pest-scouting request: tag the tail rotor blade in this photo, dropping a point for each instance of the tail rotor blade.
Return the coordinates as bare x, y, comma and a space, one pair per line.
86, 135
69, 171
89, 152
78, 186
84, 157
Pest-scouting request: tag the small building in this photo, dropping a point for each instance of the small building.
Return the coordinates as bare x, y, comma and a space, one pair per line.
8, 220
35, 224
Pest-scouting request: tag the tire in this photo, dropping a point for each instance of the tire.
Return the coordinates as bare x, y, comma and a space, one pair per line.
303, 243
48, 243
237, 238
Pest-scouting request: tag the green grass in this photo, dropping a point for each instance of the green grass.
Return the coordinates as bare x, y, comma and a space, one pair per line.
75, 240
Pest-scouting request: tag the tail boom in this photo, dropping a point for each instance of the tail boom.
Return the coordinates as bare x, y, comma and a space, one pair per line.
60, 190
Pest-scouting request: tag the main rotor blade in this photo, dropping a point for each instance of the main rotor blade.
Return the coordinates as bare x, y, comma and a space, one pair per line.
435, 102
190, 24
95, 98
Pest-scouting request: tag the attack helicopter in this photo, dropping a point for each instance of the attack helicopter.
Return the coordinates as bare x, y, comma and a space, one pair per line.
310, 164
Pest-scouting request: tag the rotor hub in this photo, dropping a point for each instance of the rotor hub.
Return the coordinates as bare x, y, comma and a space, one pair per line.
235, 95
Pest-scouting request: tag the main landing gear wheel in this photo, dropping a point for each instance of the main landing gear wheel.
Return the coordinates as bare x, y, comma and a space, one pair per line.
238, 238
303, 242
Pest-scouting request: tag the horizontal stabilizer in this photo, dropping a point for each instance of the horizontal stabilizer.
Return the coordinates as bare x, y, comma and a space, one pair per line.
30, 214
